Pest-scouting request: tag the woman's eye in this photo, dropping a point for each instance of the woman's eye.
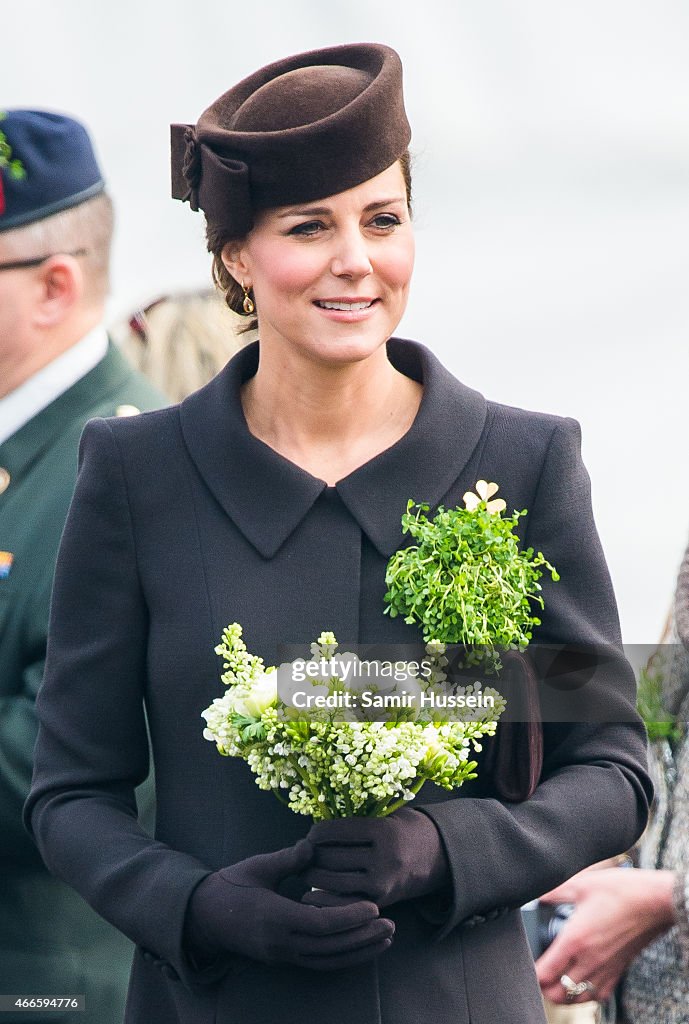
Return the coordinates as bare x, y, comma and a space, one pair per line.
311, 227
386, 220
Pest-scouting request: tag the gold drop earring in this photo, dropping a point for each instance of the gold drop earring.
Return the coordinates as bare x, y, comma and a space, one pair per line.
248, 304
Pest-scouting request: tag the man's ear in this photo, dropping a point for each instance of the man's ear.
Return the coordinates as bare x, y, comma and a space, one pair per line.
61, 287
234, 259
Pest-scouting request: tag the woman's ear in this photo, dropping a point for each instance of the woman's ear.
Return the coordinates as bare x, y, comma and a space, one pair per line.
233, 257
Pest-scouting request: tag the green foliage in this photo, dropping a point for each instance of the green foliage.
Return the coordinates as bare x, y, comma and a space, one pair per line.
14, 167
466, 581
660, 723
249, 729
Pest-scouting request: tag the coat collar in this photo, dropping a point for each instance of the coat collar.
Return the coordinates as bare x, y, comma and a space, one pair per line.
74, 404
267, 496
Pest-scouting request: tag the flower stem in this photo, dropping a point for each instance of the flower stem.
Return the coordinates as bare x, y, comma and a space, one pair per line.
418, 783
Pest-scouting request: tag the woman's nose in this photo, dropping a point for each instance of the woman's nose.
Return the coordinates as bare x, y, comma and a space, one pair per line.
351, 258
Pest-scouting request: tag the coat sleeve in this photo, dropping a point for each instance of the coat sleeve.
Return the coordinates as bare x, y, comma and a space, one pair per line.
592, 800
92, 746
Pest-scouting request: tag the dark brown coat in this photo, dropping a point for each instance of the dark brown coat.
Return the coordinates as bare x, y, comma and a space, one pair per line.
183, 522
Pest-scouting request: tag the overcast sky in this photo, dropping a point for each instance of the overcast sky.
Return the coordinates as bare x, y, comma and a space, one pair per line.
551, 148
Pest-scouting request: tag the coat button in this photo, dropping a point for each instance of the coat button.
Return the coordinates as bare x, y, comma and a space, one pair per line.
4, 479
127, 410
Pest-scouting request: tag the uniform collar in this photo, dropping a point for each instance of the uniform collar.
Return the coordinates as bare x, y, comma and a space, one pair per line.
267, 496
43, 387
27, 443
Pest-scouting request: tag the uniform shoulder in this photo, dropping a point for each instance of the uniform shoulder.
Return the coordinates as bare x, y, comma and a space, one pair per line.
137, 392
116, 388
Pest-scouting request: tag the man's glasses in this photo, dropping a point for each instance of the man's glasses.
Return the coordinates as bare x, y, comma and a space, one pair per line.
37, 260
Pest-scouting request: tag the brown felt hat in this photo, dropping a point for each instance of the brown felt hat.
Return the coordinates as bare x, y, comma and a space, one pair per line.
303, 128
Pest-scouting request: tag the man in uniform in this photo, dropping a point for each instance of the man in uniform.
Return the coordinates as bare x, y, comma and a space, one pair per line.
57, 370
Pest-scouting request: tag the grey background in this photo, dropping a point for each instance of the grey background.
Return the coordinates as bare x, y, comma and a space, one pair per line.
552, 202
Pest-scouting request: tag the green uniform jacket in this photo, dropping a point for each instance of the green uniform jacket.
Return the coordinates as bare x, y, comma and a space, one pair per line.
50, 939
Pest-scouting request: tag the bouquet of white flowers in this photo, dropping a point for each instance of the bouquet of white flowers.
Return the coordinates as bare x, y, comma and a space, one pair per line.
336, 761
369, 741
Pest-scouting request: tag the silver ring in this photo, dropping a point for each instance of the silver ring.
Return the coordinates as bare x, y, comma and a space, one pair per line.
574, 989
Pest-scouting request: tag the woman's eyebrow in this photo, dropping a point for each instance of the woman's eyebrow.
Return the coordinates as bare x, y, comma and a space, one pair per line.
384, 202
324, 211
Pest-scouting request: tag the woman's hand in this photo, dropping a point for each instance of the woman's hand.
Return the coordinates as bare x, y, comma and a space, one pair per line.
618, 912
237, 910
384, 860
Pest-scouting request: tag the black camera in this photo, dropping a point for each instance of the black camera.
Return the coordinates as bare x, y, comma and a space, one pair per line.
543, 921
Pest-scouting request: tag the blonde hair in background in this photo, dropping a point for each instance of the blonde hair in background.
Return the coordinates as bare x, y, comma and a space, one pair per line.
89, 226
180, 341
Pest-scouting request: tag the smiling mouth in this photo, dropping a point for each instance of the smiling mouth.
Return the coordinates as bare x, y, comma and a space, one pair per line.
346, 307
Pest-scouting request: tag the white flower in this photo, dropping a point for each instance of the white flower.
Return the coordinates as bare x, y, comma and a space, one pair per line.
288, 685
251, 702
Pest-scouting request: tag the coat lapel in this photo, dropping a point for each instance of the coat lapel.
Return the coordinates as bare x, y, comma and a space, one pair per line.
264, 494
267, 496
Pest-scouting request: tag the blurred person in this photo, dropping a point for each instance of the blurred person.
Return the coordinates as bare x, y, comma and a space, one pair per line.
276, 501
630, 928
57, 370
180, 341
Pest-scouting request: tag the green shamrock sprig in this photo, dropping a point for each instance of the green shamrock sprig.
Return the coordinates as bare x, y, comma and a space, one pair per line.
14, 167
466, 580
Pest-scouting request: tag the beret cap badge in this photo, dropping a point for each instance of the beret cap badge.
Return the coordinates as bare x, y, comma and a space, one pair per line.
9, 163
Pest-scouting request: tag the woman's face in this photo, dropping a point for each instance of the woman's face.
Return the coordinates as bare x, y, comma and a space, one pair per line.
331, 277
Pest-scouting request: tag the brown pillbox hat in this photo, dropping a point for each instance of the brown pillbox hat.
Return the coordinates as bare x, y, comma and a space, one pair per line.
303, 128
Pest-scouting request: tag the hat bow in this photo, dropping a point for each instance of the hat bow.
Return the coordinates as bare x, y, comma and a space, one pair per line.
207, 180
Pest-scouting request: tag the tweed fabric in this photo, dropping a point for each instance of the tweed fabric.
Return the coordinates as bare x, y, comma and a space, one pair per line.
656, 987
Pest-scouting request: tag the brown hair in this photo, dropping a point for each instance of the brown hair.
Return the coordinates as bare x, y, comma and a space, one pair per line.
232, 290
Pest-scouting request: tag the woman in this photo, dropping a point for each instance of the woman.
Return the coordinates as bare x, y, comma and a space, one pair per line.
273, 497
633, 926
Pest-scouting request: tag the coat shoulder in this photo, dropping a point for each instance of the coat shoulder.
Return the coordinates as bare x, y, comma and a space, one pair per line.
145, 427
539, 424
147, 442
529, 432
